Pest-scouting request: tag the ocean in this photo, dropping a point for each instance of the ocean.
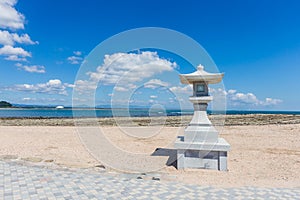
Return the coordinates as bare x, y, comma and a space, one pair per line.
140, 112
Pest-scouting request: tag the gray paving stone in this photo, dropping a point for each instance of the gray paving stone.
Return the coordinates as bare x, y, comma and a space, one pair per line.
31, 182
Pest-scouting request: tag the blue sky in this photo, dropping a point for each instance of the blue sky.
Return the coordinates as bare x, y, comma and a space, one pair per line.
256, 44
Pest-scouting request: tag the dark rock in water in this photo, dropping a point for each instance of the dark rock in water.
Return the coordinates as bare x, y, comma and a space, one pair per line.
100, 166
49, 160
139, 177
155, 178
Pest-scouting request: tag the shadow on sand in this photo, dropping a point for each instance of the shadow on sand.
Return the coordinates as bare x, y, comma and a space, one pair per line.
171, 153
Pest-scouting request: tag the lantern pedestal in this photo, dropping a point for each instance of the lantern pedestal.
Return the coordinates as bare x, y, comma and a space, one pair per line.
202, 154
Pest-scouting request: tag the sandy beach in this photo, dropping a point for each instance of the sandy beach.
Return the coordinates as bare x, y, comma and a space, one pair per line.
265, 149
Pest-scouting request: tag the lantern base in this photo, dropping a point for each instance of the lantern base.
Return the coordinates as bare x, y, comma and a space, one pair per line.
202, 155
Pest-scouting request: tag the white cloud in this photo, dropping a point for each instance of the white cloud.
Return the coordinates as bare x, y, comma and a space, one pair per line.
15, 58
83, 86
120, 89
77, 53
130, 67
18, 64
237, 99
270, 101
9, 16
54, 86
128, 87
42, 100
219, 92
23, 39
153, 96
28, 99
248, 98
182, 89
231, 91
125, 101
11, 19
32, 69
74, 60
7, 38
15, 51
126, 69
155, 83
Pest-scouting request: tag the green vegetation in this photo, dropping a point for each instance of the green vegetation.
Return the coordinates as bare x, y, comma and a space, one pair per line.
4, 104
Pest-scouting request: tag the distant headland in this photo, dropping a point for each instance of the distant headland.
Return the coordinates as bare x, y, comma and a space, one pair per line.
5, 104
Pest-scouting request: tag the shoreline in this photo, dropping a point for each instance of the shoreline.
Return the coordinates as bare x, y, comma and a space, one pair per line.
169, 121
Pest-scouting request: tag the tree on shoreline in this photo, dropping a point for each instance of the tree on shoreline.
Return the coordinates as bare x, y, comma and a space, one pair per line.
4, 104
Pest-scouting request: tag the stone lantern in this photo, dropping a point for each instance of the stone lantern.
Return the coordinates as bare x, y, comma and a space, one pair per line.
200, 147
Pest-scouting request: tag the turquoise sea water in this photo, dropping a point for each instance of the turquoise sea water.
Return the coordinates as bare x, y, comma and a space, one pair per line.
69, 113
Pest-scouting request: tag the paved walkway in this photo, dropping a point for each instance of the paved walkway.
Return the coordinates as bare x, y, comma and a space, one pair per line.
19, 181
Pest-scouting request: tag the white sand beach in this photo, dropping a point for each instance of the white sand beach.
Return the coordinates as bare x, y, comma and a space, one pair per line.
260, 155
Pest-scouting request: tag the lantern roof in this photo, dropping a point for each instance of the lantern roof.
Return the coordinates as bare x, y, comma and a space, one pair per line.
201, 76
